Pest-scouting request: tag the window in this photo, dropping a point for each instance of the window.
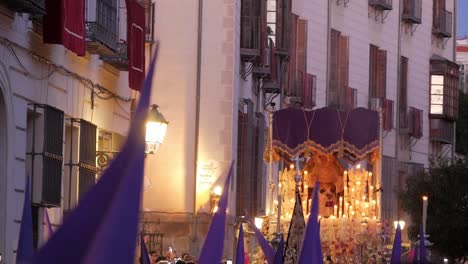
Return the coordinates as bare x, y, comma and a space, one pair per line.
442, 20
444, 81
377, 72
271, 19
250, 26
80, 160
45, 154
283, 24
339, 70
298, 61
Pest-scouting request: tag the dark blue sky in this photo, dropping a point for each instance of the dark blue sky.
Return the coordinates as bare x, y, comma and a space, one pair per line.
462, 18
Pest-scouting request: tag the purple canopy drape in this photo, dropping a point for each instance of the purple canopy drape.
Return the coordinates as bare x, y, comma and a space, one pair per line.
325, 130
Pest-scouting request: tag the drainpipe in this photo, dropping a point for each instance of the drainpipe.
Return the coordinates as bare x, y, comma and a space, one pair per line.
454, 22
197, 115
454, 48
397, 130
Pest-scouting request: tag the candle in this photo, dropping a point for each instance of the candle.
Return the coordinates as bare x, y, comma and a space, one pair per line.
335, 210
424, 216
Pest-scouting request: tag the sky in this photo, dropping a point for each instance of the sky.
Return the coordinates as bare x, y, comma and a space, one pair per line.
462, 18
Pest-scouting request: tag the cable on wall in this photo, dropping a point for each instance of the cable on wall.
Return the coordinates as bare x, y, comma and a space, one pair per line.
97, 90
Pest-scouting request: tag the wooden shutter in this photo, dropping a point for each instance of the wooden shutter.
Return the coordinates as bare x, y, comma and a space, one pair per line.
334, 62
241, 149
301, 47
245, 168
372, 71
387, 115
87, 159
263, 33
381, 82
273, 62
350, 98
343, 74
439, 5
309, 91
283, 24
279, 24
292, 57
403, 99
259, 179
416, 120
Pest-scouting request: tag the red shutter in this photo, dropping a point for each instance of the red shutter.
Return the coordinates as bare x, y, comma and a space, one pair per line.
387, 115
273, 62
301, 57
416, 131
372, 71
292, 56
308, 93
332, 93
381, 81
350, 98
279, 24
343, 73
64, 23
263, 34
136, 44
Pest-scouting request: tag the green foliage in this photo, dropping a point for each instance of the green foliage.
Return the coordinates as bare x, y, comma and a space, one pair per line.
446, 185
462, 125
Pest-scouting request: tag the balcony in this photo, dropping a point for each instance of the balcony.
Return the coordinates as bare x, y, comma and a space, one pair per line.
149, 7
442, 26
119, 60
250, 36
100, 39
34, 7
381, 4
412, 11
102, 27
441, 131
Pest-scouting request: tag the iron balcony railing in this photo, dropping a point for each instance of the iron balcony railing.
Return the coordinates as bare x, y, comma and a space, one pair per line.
250, 35
120, 59
35, 7
443, 23
102, 29
412, 11
441, 131
97, 34
381, 4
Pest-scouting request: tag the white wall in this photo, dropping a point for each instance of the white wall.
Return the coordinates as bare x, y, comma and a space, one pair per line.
61, 91
171, 170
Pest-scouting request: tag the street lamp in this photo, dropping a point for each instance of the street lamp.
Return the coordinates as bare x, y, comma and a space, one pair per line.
156, 126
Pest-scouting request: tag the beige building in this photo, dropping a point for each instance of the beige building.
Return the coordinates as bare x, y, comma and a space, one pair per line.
57, 111
221, 64
218, 73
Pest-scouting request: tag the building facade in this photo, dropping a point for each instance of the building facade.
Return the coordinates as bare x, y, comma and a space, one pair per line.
237, 57
62, 105
222, 67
